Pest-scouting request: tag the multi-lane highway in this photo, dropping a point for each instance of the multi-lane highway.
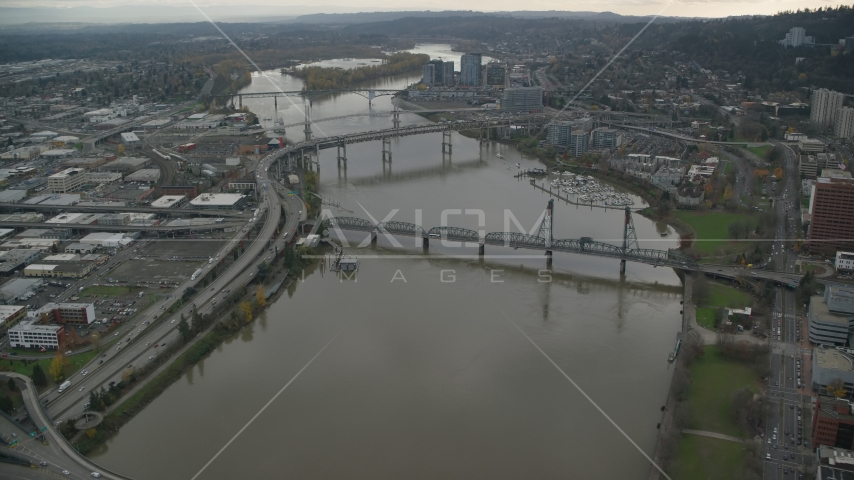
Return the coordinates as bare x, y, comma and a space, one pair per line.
151, 330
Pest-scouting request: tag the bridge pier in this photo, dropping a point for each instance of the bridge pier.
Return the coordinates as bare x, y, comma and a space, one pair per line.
622, 267
373, 237
276, 108
240, 100
446, 134
307, 131
549, 258
395, 117
386, 149
481, 249
425, 242
342, 154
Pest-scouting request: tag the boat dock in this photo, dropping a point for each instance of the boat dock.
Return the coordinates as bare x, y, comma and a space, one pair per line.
556, 194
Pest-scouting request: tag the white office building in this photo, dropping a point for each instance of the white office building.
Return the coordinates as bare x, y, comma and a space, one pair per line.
797, 37
470, 68
29, 334
826, 328
824, 107
844, 261
66, 181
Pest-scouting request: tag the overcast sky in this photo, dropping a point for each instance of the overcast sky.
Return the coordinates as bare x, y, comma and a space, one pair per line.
686, 8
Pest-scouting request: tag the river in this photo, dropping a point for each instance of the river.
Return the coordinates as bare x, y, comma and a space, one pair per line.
432, 370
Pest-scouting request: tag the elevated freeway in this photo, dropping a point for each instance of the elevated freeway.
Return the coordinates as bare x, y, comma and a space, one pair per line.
200, 212
676, 136
126, 228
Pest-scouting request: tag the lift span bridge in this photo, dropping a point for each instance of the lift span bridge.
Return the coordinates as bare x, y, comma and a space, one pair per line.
543, 240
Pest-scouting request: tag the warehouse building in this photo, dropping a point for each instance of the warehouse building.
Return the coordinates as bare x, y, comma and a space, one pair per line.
220, 201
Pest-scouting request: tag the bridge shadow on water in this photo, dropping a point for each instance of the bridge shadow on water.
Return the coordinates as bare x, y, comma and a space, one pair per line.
389, 176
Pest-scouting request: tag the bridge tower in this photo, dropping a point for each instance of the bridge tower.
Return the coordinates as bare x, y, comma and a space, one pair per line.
240, 100
342, 154
395, 118
307, 128
630, 238
546, 230
275, 108
386, 149
446, 134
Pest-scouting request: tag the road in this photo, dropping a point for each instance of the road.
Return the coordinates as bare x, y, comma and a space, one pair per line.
144, 337
789, 413
63, 406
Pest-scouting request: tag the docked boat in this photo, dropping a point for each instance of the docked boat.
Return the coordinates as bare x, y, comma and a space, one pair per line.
518, 165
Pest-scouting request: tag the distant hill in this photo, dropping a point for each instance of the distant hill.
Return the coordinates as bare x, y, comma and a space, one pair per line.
371, 17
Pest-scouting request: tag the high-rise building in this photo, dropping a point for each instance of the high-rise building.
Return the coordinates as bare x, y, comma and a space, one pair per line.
448, 74
824, 107
496, 74
579, 142
438, 73
797, 37
832, 211
844, 127
607, 138
524, 99
470, 65
557, 134
428, 74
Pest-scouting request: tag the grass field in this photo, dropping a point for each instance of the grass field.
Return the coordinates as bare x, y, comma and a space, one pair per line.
107, 291
75, 363
714, 379
706, 317
704, 458
760, 151
725, 296
728, 167
711, 228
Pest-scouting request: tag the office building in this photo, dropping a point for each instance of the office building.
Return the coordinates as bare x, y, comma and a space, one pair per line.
524, 99
496, 74
834, 463
832, 211
607, 138
833, 422
222, 201
67, 313
66, 181
844, 126
826, 327
470, 66
579, 142
807, 166
824, 108
810, 145
188, 190
797, 37
10, 315
29, 334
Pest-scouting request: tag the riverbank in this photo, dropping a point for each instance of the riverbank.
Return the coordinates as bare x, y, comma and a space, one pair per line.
199, 338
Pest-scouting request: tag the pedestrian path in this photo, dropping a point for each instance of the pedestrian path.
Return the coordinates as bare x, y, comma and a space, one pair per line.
719, 436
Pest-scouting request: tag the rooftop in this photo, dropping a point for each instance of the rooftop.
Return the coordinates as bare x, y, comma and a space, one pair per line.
216, 199
833, 359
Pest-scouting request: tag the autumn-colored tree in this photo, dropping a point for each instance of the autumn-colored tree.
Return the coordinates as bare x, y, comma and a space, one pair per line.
96, 340
57, 365
246, 310
121, 149
778, 172
836, 387
73, 339
728, 193
261, 296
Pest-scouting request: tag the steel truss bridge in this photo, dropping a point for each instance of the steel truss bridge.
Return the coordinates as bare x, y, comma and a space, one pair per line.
369, 93
629, 251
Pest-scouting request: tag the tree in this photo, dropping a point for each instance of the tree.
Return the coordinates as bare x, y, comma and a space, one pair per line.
6, 404
11, 385
246, 311
95, 338
57, 366
701, 289
260, 296
121, 149
836, 387
184, 329
39, 378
